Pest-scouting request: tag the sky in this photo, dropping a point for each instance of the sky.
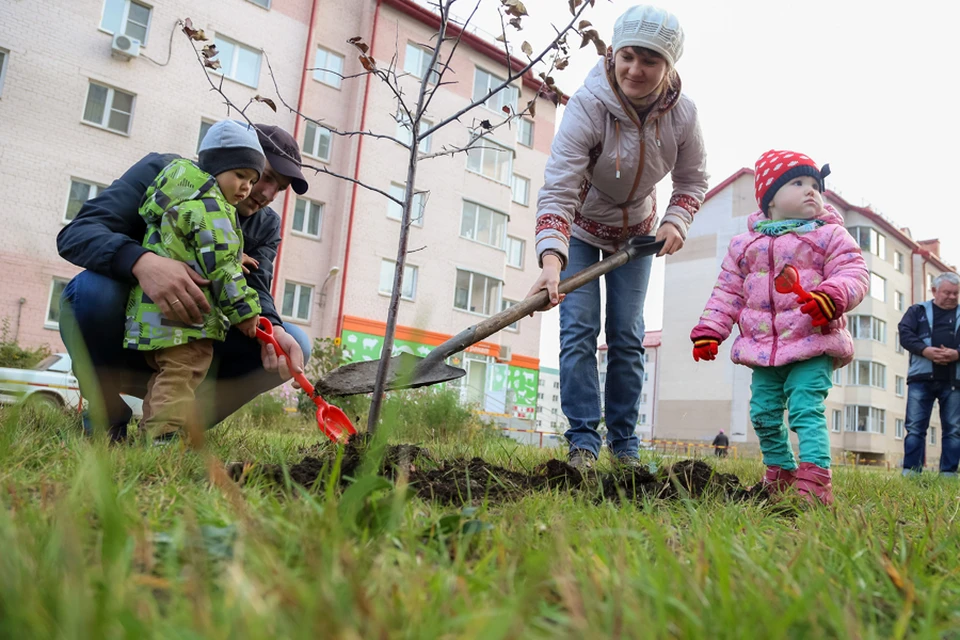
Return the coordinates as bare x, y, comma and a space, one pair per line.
872, 91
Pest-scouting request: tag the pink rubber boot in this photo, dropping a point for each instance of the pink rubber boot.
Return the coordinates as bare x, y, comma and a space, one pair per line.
777, 480
814, 484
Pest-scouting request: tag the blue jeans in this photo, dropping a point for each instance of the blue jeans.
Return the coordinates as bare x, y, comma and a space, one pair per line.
920, 397
626, 289
93, 313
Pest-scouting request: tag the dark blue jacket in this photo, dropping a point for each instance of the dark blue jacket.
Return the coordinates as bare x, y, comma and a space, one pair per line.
107, 235
915, 336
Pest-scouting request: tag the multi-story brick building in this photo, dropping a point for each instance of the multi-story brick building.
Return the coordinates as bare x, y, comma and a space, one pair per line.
99, 111
866, 408
646, 419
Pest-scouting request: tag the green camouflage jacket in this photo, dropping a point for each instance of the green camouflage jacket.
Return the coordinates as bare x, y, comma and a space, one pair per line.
189, 220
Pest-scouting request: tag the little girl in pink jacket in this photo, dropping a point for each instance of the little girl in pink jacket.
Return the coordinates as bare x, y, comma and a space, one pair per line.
791, 343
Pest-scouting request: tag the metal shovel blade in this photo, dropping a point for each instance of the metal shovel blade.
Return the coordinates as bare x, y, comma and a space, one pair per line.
406, 371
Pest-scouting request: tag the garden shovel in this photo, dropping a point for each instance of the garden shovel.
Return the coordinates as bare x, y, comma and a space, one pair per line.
331, 420
407, 371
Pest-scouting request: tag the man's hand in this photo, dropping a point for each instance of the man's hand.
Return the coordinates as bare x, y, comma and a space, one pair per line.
673, 241
249, 327
247, 263
941, 355
549, 279
174, 286
273, 362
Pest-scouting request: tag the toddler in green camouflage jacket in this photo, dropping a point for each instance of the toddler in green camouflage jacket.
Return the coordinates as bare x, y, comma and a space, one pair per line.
191, 217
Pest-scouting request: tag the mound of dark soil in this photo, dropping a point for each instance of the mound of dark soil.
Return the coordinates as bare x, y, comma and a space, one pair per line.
461, 481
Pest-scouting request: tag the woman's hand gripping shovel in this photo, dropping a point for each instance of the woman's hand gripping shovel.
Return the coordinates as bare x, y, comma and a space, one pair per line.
331, 420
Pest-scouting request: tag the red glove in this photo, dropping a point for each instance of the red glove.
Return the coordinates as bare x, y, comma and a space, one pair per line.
705, 349
820, 307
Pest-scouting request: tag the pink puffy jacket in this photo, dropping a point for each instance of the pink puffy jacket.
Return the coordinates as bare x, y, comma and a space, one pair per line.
773, 330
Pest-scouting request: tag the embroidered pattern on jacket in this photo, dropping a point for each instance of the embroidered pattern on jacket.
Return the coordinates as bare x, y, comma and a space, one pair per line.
688, 203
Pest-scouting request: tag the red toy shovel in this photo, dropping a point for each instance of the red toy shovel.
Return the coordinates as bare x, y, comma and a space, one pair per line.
789, 282
331, 420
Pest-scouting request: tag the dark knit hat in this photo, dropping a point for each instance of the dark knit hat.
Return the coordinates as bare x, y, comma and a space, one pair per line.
230, 144
284, 155
776, 168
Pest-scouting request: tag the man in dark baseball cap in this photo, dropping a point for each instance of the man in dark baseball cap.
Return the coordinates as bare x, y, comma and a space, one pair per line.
283, 154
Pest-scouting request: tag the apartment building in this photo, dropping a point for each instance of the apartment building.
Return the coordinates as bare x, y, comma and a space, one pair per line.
648, 396
866, 407
549, 413
64, 78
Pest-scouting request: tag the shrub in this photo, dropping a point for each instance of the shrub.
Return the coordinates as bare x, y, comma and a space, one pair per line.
13, 355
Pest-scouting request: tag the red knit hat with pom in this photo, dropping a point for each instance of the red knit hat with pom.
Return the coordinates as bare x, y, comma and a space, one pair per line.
776, 168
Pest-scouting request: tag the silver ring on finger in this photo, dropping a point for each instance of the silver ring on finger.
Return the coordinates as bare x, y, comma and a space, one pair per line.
175, 302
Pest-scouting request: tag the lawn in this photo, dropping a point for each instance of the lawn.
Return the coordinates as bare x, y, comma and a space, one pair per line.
101, 541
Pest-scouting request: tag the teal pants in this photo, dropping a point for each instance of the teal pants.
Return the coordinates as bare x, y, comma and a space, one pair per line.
801, 388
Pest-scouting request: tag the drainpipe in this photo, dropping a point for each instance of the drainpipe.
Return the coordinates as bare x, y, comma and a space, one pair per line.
356, 176
20, 303
287, 196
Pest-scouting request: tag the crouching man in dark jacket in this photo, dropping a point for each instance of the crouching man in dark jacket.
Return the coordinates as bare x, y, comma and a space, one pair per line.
105, 238
930, 331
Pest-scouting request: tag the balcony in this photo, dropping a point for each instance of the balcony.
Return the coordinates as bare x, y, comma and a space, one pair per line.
865, 442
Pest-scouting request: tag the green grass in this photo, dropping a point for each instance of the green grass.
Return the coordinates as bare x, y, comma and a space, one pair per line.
114, 542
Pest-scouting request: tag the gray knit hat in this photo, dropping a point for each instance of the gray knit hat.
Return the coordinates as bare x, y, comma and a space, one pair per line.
230, 144
650, 28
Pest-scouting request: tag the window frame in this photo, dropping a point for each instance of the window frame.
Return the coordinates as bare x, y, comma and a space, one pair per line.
95, 185
424, 56
877, 241
417, 195
899, 428
299, 286
405, 132
476, 224
237, 46
317, 137
898, 300
201, 133
529, 124
265, 8
47, 322
506, 303
836, 425
125, 19
875, 370
482, 149
495, 304
326, 71
414, 269
900, 386
4, 63
507, 249
513, 190
870, 422
899, 261
499, 96
884, 286
108, 108
877, 325
309, 204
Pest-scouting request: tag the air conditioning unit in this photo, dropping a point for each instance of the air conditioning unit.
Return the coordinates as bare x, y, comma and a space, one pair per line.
505, 353
125, 47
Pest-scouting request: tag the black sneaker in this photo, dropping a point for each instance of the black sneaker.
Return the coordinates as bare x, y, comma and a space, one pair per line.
631, 462
581, 459
166, 439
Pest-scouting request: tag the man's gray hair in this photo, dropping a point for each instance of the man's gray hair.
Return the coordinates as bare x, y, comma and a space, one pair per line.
949, 276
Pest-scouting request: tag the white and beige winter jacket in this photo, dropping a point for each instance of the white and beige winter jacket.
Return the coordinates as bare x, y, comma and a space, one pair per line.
600, 180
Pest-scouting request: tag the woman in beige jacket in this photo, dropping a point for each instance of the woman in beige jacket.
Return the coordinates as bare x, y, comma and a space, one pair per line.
622, 132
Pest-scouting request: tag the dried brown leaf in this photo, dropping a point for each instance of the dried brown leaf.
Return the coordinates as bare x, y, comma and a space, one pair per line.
601, 46
526, 48
584, 24
267, 101
213, 64
209, 51
515, 8
532, 108
485, 124
506, 109
193, 34
515, 23
368, 63
358, 42
561, 63
500, 38
573, 6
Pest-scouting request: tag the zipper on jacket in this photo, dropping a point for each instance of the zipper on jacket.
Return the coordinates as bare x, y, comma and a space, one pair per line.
616, 126
773, 308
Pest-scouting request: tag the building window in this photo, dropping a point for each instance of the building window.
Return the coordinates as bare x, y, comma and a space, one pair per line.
477, 293
108, 107
898, 300
53, 303
865, 373
515, 250
837, 421
388, 269
901, 386
405, 131
204, 127
127, 17
838, 377
506, 304
642, 419
929, 281
237, 61
4, 54
80, 192
865, 419
878, 287
317, 142
521, 190
871, 241
933, 435
490, 159
868, 328
328, 68
484, 82
261, 3
308, 217
296, 301
555, 398
483, 225
898, 261
417, 206
899, 346
525, 132
898, 429
416, 62
556, 384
